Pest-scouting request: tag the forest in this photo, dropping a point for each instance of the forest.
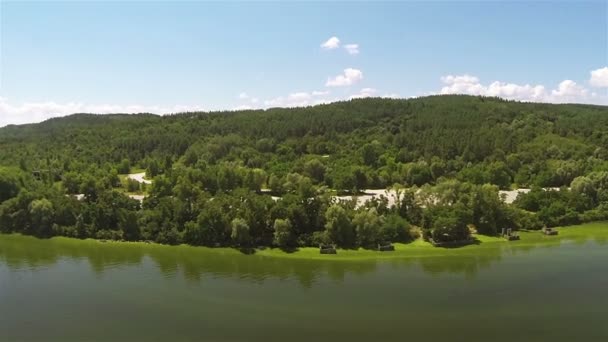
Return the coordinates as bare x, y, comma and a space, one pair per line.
271, 177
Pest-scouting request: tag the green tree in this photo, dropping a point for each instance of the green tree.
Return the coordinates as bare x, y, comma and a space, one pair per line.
124, 167
367, 225
9, 184
41, 213
240, 232
283, 235
129, 225
315, 169
394, 228
338, 226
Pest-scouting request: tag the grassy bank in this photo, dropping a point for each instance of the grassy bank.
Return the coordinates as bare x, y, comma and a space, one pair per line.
597, 231
420, 248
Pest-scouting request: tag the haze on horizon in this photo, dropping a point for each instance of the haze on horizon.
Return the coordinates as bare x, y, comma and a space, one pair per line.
59, 58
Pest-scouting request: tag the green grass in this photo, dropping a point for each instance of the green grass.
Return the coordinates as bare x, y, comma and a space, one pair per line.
597, 231
420, 248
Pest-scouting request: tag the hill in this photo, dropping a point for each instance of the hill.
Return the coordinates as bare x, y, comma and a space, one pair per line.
462, 141
542, 144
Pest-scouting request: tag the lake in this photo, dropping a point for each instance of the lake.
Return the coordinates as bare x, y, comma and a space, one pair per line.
63, 289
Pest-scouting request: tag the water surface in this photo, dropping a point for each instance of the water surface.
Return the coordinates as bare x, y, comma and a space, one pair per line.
62, 289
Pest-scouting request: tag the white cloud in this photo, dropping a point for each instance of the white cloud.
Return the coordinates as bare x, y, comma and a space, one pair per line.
331, 43
450, 79
352, 49
246, 97
39, 111
365, 92
371, 92
242, 107
392, 96
569, 91
350, 76
599, 77
299, 99
566, 91
524, 92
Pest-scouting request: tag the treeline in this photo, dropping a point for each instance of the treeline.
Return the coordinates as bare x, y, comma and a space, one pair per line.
214, 173
180, 210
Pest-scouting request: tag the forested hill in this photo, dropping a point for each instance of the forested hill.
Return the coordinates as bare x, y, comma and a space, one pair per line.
413, 141
212, 174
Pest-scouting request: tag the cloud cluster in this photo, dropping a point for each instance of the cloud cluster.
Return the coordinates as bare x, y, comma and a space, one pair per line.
244, 97
334, 43
566, 91
352, 49
349, 77
599, 77
299, 99
331, 43
39, 111
363, 93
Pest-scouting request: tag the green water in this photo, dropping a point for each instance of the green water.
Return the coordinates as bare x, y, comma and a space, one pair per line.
536, 290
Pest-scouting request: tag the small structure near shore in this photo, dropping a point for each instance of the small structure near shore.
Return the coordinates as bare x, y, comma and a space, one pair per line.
386, 247
549, 231
327, 249
509, 234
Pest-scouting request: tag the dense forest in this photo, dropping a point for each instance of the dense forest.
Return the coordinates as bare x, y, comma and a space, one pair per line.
269, 177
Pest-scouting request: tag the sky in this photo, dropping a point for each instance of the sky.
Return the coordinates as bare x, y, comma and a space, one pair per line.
59, 58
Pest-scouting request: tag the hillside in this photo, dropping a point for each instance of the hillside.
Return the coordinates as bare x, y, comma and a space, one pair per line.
462, 141
506, 142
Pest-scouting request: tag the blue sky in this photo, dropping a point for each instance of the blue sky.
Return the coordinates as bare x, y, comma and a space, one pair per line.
60, 57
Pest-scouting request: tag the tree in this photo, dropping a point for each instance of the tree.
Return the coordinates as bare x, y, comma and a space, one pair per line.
449, 223
41, 213
9, 184
283, 235
133, 185
124, 167
315, 170
394, 228
153, 169
128, 224
370, 152
90, 188
71, 182
584, 186
275, 183
338, 226
498, 174
367, 225
255, 179
161, 187
489, 212
240, 232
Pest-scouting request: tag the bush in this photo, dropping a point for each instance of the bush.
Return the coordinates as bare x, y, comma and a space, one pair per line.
395, 228
525, 220
132, 185
598, 214
106, 234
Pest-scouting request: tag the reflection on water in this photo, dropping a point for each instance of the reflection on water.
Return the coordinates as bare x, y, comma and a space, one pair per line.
72, 290
195, 264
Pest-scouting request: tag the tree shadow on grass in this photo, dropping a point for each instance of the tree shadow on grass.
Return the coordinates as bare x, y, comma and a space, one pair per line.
457, 244
247, 250
289, 250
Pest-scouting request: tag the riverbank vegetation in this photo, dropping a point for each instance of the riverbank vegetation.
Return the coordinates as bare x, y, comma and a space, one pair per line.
267, 178
588, 232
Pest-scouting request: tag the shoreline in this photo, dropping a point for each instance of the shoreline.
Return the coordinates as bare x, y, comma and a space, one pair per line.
415, 249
